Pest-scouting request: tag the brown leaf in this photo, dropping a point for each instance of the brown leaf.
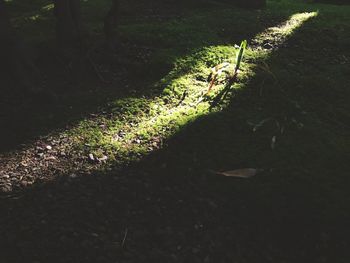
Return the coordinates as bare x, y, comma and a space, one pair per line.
241, 173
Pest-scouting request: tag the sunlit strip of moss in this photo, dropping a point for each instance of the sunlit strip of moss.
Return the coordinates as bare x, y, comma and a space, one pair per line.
278, 34
139, 124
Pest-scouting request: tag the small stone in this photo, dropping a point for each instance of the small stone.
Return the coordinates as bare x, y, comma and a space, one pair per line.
39, 155
39, 149
6, 188
268, 46
91, 157
48, 147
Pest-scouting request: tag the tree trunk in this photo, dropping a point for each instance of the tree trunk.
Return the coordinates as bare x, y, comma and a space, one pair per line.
68, 23
70, 40
110, 22
15, 65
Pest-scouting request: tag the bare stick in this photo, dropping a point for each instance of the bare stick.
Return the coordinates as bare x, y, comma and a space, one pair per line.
125, 235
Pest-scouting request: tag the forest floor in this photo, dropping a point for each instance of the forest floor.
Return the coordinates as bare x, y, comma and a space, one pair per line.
123, 165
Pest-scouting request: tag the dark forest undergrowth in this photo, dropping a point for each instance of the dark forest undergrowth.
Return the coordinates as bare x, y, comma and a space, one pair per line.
124, 170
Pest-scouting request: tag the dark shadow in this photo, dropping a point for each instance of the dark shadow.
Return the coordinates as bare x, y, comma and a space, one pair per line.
170, 208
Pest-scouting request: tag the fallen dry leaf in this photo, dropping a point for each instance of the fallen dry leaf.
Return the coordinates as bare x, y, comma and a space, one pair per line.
273, 142
241, 173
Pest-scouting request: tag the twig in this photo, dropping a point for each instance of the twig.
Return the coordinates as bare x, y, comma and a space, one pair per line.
125, 235
11, 196
183, 97
222, 95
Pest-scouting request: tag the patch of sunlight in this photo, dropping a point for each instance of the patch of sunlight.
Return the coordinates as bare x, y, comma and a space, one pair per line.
294, 22
183, 88
277, 35
48, 7
34, 17
129, 128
